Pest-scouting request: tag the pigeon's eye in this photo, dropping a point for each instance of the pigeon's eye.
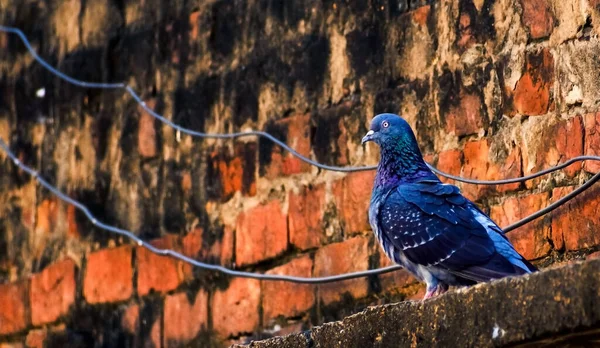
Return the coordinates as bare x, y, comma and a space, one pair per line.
385, 124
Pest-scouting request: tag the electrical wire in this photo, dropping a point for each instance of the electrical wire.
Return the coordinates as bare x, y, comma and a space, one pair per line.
259, 276
253, 275
168, 252
161, 118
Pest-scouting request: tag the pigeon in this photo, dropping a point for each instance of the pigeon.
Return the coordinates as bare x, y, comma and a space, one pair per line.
429, 227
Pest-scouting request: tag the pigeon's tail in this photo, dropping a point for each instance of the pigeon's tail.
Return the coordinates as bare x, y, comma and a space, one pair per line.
498, 267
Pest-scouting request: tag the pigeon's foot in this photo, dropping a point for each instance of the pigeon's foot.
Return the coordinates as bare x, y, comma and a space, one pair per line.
435, 290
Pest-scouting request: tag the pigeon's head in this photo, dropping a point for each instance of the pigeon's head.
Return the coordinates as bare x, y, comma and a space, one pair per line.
389, 130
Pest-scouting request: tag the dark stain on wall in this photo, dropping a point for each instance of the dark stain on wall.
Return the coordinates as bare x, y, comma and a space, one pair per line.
365, 48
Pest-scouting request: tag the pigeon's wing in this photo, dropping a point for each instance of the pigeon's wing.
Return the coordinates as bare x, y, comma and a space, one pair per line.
432, 224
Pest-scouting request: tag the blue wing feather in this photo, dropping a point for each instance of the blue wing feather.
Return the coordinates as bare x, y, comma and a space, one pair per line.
432, 224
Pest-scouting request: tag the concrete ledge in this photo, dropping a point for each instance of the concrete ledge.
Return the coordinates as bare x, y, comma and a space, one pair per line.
546, 308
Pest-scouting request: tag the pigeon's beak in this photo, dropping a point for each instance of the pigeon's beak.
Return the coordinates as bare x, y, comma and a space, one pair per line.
368, 136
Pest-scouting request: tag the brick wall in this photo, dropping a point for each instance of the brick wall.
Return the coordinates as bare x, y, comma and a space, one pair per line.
494, 89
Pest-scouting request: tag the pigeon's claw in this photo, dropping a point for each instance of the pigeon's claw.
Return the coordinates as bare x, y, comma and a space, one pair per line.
437, 290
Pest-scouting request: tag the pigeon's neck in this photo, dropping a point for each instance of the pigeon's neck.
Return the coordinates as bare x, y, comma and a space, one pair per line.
399, 166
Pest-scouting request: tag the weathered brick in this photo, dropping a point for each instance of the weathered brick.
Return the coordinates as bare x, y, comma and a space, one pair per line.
72, 226
13, 344
108, 275
466, 37
236, 307
297, 130
52, 292
351, 255
575, 225
13, 307
146, 131
465, 117
285, 298
143, 324
47, 216
530, 240
532, 92
420, 15
450, 162
4, 41
592, 141
185, 317
305, 216
235, 172
194, 22
538, 18
352, 198
478, 165
220, 251
553, 145
36, 339
261, 233
131, 319
158, 273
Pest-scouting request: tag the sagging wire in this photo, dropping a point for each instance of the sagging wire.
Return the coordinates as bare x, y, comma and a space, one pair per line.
258, 276
138, 99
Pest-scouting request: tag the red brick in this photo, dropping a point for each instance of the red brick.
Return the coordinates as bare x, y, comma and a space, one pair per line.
13, 307
450, 162
306, 217
297, 130
530, 240
477, 165
421, 14
130, 319
36, 339
108, 275
155, 333
236, 172
351, 255
575, 225
466, 37
556, 144
192, 243
185, 318
158, 273
220, 251
146, 131
285, 298
142, 325
47, 216
11, 345
538, 18
353, 195
194, 22
3, 41
52, 292
592, 141
466, 117
261, 233
532, 92
235, 309
72, 226
186, 182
